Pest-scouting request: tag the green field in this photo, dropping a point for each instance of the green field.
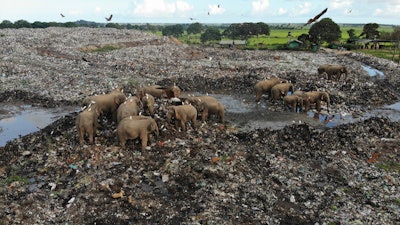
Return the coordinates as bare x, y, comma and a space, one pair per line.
279, 38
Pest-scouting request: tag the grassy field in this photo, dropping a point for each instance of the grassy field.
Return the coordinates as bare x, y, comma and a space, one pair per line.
279, 38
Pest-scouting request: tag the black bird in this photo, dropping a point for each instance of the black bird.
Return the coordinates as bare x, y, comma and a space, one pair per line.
109, 18
62, 15
83, 58
192, 18
310, 21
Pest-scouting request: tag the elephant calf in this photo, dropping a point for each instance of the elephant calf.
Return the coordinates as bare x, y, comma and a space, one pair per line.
138, 127
182, 115
295, 102
86, 123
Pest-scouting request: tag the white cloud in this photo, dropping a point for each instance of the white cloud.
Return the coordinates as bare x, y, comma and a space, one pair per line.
215, 9
97, 9
304, 9
341, 4
259, 6
282, 11
149, 8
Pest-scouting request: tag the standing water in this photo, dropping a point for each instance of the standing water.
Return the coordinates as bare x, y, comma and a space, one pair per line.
20, 120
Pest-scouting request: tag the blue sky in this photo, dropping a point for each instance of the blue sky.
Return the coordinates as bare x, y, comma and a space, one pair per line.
202, 11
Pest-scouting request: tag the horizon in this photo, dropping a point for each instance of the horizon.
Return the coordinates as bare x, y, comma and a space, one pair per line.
205, 12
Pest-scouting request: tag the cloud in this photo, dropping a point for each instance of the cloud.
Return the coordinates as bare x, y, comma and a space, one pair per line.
149, 8
282, 11
259, 6
215, 9
341, 4
304, 9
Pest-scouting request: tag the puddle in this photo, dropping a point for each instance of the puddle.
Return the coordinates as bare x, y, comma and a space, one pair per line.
246, 114
20, 120
372, 72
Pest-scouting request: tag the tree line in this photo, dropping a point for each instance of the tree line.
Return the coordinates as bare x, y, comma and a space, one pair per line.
326, 30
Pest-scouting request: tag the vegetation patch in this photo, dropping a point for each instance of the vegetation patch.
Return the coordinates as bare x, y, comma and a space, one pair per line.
101, 48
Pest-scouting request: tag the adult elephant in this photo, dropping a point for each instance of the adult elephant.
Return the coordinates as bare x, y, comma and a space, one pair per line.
280, 90
207, 105
134, 127
315, 97
333, 71
107, 103
264, 86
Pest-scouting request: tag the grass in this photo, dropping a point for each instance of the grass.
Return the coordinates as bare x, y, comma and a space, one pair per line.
389, 166
13, 178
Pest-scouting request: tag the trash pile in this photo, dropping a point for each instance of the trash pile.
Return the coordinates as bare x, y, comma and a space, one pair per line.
216, 174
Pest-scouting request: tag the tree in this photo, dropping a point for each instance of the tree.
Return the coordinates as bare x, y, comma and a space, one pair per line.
370, 30
324, 30
22, 24
6, 24
352, 34
262, 28
195, 28
212, 33
113, 25
173, 30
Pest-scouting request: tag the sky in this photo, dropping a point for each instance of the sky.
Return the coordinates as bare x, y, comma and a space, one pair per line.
202, 11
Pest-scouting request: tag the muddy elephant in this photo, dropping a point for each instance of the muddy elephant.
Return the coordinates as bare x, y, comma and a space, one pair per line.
155, 90
281, 90
315, 97
128, 108
87, 124
182, 114
148, 104
264, 86
136, 127
334, 72
296, 103
107, 103
206, 106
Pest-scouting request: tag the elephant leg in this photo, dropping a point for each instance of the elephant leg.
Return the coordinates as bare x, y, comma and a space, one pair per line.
183, 125
222, 116
318, 106
194, 123
144, 140
91, 136
81, 134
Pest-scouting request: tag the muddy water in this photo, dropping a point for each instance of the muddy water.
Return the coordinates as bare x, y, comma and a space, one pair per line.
242, 112
246, 114
19, 120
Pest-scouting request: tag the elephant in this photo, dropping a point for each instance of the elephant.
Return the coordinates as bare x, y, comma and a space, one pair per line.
155, 90
128, 108
280, 90
86, 123
107, 103
315, 97
148, 104
207, 105
264, 86
295, 102
134, 127
171, 92
333, 71
182, 114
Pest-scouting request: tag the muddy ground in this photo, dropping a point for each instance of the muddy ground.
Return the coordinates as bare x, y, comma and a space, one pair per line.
216, 174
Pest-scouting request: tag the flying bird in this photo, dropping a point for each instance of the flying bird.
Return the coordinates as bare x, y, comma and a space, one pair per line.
192, 18
310, 21
62, 15
109, 18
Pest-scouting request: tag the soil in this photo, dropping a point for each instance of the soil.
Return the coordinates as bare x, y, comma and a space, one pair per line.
216, 174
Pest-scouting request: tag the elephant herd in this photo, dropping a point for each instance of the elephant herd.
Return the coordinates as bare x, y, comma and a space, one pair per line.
127, 112
131, 124
277, 89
